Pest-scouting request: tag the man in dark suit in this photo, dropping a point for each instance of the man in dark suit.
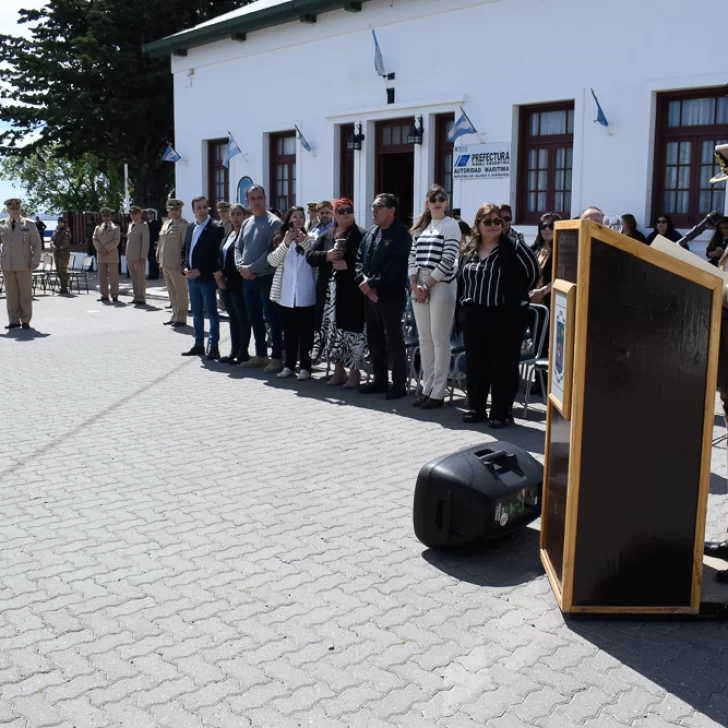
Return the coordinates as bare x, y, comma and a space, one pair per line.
199, 263
381, 273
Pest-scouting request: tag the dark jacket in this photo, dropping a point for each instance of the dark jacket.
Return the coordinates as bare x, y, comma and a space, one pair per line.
637, 235
206, 252
349, 300
385, 266
226, 263
673, 235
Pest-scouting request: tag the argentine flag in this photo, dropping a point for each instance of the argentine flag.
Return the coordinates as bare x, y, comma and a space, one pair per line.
303, 140
378, 59
231, 150
462, 126
170, 155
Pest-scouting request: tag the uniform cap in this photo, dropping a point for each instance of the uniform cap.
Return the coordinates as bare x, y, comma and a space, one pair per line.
134, 209
223, 205
173, 204
106, 211
312, 206
721, 156
12, 202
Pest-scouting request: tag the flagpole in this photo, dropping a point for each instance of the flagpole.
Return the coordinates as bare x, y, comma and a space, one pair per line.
468, 118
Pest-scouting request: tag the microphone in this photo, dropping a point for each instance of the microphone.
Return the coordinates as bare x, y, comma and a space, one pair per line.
711, 220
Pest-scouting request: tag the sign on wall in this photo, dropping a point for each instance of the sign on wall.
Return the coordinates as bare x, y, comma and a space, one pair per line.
482, 161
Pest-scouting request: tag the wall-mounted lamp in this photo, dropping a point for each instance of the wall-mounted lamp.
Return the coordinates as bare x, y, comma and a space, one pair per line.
355, 140
416, 132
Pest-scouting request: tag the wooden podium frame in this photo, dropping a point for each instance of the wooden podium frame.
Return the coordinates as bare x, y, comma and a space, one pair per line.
564, 439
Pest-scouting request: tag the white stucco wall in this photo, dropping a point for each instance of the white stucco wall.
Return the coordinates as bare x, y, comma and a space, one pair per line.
490, 56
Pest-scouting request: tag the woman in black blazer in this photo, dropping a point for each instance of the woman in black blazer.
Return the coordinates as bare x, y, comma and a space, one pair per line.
230, 283
339, 303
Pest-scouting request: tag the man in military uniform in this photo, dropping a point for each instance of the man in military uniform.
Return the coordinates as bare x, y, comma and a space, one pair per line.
137, 250
106, 239
169, 254
20, 256
223, 211
61, 249
313, 220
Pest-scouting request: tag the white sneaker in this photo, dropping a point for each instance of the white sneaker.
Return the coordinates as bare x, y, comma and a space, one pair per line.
303, 375
285, 373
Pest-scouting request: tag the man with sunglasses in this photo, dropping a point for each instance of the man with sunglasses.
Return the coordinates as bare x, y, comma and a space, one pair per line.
381, 274
507, 216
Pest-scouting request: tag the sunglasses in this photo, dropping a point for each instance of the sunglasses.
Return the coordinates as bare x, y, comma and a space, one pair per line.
344, 210
506, 218
662, 221
546, 225
378, 207
488, 221
438, 198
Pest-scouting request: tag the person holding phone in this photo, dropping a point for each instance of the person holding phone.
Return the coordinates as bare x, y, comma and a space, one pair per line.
432, 268
294, 291
340, 310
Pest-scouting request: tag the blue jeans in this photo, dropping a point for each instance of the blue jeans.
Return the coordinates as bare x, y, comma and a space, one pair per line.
202, 296
261, 309
239, 325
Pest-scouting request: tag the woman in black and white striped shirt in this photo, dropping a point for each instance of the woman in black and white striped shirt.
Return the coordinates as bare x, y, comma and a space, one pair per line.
432, 270
496, 275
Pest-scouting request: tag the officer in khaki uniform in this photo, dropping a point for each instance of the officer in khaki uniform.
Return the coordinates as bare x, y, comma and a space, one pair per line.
20, 256
137, 250
61, 249
106, 239
169, 255
223, 211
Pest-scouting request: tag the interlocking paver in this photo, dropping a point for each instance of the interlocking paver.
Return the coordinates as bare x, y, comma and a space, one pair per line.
170, 558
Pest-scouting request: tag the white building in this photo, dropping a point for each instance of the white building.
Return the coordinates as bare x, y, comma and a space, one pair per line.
521, 69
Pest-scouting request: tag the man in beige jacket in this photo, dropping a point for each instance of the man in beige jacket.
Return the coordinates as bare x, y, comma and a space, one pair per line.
106, 239
137, 250
20, 256
169, 255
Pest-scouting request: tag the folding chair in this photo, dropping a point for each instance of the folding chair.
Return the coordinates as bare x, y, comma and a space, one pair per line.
79, 272
532, 353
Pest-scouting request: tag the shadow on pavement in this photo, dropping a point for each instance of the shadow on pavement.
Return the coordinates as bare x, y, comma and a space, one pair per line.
25, 334
509, 561
687, 659
718, 484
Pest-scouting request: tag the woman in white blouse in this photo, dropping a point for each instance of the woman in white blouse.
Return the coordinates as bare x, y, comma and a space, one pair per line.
294, 290
432, 274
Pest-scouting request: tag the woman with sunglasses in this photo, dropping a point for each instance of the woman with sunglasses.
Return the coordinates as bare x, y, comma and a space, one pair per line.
340, 307
496, 275
665, 228
294, 290
542, 248
432, 269
719, 242
507, 216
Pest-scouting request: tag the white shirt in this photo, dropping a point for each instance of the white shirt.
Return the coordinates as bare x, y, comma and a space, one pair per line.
230, 240
298, 288
199, 227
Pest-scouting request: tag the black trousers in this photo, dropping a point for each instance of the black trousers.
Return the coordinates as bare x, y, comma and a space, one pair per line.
386, 339
239, 324
493, 338
298, 330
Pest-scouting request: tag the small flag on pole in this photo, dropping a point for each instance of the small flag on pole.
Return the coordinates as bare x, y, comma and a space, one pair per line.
170, 155
461, 127
378, 59
230, 151
601, 118
303, 140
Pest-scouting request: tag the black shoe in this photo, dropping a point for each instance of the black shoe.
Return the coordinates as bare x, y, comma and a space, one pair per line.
140, 303
241, 359
26, 326
103, 300
722, 576
179, 325
500, 424
419, 400
168, 323
473, 416
227, 360
13, 326
116, 300
374, 388
213, 354
396, 391
716, 549
195, 351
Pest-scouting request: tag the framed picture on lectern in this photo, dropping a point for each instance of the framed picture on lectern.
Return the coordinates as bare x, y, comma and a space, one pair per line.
561, 370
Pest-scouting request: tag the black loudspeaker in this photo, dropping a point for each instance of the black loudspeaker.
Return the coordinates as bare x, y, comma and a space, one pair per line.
477, 494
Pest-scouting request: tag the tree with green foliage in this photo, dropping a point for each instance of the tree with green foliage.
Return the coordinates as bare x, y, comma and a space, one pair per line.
79, 85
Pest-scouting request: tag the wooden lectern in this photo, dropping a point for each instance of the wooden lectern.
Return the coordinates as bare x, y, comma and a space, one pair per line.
632, 378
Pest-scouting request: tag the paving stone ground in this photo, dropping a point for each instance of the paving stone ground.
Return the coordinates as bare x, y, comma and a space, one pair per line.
192, 545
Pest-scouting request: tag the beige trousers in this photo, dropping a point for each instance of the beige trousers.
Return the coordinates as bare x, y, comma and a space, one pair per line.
178, 294
138, 275
106, 271
19, 295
